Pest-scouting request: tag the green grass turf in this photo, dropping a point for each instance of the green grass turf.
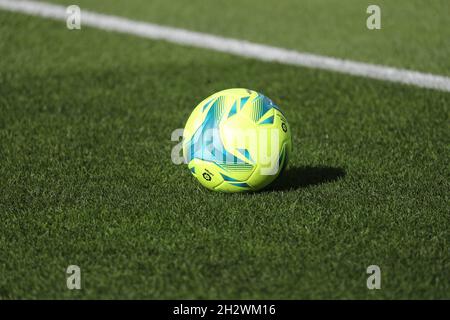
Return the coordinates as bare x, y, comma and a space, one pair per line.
415, 33
86, 177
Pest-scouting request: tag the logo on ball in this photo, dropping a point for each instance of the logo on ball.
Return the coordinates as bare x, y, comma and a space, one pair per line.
207, 176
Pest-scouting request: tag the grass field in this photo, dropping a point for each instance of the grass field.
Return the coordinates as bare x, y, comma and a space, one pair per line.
86, 176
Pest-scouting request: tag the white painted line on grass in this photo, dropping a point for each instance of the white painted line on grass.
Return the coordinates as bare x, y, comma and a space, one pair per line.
232, 46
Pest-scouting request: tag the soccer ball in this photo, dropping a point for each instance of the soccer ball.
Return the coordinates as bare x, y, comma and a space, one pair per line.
236, 140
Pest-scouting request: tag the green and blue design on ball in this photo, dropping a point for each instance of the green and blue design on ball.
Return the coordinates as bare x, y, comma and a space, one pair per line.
229, 138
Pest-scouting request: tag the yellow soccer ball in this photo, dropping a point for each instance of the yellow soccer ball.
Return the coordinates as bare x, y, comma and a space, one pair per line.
236, 140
